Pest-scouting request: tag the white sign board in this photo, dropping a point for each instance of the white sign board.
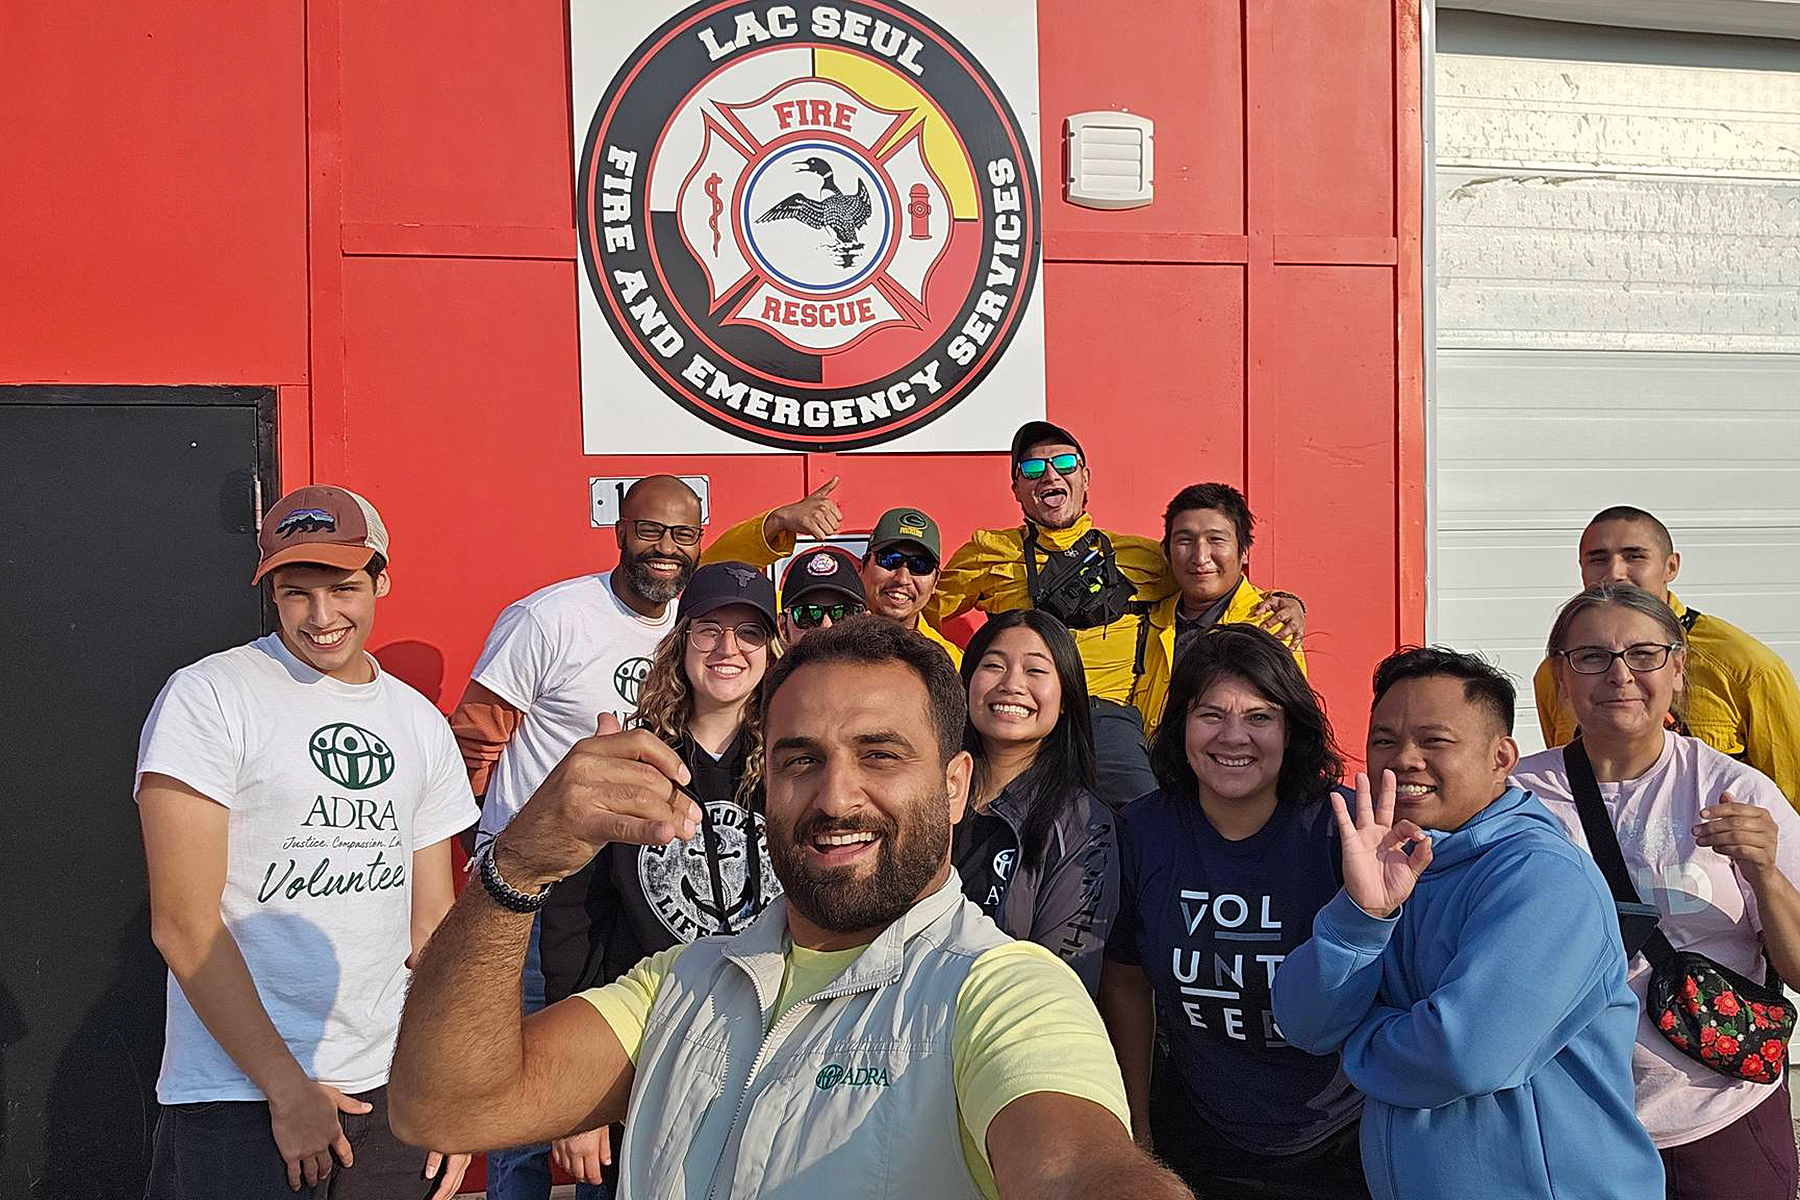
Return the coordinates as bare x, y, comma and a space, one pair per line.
807, 227
606, 495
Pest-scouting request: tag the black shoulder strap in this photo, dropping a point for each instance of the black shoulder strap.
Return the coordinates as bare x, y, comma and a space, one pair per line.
1602, 838
1028, 538
1688, 618
1603, 841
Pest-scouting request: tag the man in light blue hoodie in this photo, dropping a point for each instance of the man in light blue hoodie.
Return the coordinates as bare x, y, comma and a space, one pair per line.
1470, 971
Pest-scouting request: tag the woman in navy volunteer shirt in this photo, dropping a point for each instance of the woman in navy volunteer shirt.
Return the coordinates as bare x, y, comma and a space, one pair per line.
1037, 850
1221, 872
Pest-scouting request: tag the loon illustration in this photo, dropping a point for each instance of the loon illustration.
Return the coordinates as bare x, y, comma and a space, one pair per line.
843, 215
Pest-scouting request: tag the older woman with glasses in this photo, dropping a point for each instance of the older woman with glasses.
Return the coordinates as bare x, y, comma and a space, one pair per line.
701, 696
1709, 842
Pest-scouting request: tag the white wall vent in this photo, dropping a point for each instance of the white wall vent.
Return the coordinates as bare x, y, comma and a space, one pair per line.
1110, 159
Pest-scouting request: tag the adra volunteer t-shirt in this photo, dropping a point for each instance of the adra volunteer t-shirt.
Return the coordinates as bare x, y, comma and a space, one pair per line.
562, 656
331, 788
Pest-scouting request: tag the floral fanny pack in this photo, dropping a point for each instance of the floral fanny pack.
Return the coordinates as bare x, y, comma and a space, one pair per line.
1709, 1012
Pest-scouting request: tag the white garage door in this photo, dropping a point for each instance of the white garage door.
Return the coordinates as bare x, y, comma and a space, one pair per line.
1618, 308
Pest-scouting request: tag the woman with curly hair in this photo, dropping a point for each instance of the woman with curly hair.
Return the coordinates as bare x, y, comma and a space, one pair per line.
702, 697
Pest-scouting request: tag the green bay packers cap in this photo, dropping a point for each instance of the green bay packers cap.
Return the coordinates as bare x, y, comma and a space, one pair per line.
906, 525
329, 525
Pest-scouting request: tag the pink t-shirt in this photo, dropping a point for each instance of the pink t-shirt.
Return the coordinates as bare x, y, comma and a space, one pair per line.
1706, 906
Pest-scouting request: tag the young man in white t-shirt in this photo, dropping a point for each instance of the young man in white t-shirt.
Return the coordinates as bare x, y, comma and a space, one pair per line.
298, 807
565, 654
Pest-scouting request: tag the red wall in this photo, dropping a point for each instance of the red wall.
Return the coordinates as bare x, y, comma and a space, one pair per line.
369, 206
373, 211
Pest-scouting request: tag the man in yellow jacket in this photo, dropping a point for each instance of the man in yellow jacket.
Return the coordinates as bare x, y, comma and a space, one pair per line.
1103, 585
1740, 698
1208, 530
899, 570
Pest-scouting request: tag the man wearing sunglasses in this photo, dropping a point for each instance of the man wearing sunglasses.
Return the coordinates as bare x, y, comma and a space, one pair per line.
900, 572
1102, 585
1741, 698
821, 588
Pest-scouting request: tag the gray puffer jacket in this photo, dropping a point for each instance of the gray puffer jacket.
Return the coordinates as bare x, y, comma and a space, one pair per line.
1068, 901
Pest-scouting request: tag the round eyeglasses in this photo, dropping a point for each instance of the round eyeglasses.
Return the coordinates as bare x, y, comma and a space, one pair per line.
749, 636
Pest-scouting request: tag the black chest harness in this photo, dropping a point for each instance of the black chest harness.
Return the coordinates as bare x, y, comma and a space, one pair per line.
1084, 589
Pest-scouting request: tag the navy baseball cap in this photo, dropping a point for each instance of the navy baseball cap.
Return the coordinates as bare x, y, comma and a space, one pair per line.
715, 585
825, 569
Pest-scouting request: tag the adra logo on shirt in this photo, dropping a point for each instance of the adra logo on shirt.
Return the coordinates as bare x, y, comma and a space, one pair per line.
629, 678
832, 1074
350, 756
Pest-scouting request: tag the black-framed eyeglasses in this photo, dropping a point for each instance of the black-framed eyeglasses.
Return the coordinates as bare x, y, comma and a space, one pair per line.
652, 531
811, 616
1598, 660
917, 563
1034, 468
751, 635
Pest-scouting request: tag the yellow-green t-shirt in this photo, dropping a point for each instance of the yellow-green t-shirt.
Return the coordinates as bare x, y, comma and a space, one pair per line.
1023, 1024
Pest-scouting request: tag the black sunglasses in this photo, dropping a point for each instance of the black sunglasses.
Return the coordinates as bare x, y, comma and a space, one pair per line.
811, 616
893, 560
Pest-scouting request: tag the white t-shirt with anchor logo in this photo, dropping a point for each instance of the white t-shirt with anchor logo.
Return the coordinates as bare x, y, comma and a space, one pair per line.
331, 788
562, 656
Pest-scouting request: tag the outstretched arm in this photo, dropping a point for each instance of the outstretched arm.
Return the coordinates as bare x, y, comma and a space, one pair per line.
764, 539
1052, 1146
468, 1072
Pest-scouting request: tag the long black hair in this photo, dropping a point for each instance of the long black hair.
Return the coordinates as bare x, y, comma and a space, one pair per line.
1311, 764
1064, 763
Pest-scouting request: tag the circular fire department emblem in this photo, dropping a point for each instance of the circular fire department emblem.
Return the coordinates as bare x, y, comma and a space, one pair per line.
814, 226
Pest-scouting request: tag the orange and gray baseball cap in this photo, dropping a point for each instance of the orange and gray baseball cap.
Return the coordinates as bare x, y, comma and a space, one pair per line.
329, 525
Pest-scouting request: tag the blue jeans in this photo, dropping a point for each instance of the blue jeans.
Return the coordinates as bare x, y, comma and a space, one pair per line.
524, 1173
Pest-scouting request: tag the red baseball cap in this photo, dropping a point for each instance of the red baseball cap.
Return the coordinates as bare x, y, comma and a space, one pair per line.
329, 525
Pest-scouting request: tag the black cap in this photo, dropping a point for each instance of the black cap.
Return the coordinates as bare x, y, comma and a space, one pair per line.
824, 569
1039, 433
715, 585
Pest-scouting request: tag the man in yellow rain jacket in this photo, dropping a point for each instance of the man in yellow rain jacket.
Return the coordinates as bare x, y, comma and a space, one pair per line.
899, 570
1103, 585
1740, 699
1207, 533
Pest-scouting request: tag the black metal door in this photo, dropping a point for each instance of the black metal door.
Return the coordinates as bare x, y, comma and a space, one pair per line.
127, 540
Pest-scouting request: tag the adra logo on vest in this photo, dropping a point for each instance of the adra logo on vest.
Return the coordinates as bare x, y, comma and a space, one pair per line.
350, 756
833, 1074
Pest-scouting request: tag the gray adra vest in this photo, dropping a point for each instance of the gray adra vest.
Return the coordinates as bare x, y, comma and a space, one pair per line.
851, 1095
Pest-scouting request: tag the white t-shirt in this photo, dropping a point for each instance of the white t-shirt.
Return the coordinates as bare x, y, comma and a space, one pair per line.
1706, 907
331, 788
562, 656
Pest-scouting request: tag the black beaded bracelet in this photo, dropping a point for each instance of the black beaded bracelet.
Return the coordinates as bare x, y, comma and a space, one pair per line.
505, 894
